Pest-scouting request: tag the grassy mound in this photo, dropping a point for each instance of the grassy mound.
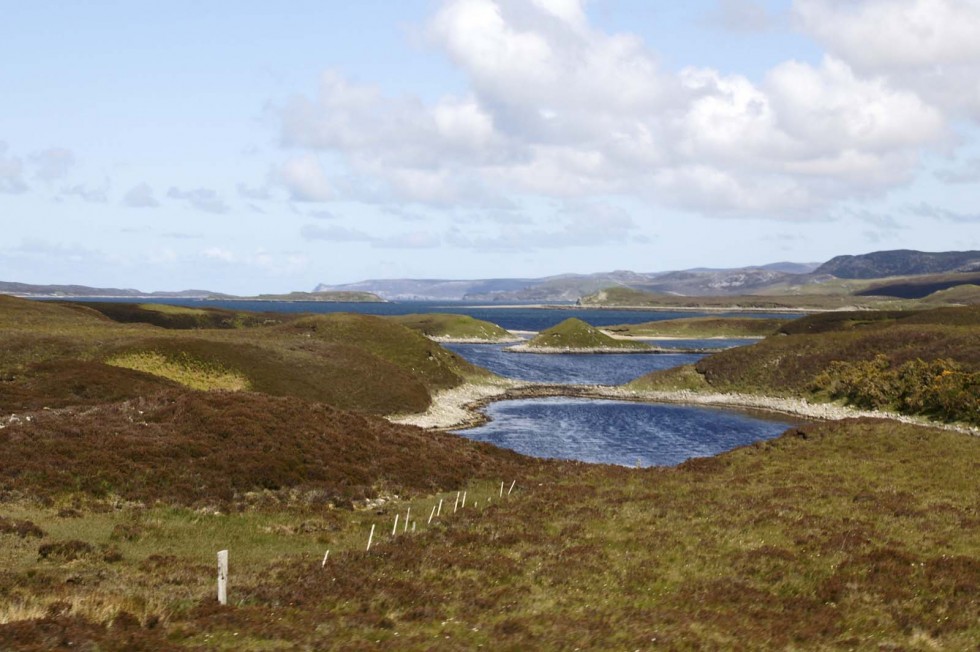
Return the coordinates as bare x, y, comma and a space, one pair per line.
438, 325
434, 366
889, 355
194, 448
183, 317
574, 333
962, 294
357, 362
701, 327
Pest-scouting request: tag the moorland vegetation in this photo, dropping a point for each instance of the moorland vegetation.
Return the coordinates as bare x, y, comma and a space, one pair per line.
120, 483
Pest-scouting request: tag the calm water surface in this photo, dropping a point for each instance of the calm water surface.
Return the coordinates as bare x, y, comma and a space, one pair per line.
571, 368
619, 432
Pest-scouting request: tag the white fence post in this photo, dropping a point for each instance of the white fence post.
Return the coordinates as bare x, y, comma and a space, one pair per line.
223, 576
370, 538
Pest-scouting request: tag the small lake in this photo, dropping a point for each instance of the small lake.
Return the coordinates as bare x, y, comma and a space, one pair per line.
620, 432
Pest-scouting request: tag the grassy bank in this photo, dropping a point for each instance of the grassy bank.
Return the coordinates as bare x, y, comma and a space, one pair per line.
700, 327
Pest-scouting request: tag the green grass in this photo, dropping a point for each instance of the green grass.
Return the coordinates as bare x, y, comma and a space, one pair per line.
700, 327
576, 334
354, 362
184, 371
439, 325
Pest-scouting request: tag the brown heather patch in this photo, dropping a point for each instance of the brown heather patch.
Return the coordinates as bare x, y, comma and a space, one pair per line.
192, 448
74, 382
797, 543
20, 527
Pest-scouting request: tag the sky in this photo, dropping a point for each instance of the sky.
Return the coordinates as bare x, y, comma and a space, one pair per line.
252, 147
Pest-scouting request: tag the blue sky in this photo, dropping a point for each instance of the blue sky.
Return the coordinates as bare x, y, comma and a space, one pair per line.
256, 147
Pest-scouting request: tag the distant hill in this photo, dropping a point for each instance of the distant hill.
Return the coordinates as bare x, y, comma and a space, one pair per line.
900, 262
30, 290
571, 287
919, 287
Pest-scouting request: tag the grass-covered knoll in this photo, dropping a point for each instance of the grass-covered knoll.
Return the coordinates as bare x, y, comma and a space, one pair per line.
967, 295
917, 287
823, 356
434, 366
574, 334
700, 327
52, 355
458, 327
183, 317
849, 535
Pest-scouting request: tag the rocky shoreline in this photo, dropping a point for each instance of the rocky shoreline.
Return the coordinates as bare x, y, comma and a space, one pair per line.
460, 408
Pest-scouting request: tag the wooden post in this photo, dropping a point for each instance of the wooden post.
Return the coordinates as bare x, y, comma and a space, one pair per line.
511, 487
413, 526
501, 488
223, 577
431, 515
456, 506
408, 515
394, 530
370, 538
464, 501
324, 562
439, 511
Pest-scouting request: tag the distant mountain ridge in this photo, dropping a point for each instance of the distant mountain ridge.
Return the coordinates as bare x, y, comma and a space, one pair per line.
31, 290
900, 262
571, 287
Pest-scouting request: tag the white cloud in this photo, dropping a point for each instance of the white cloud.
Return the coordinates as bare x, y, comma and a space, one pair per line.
53, 163
337, 234
219, 253
576, 223
305, 180
742, 16
929, 46
923, 209
91, 195
558, 108
140, 196
203, 199
260, 193
967, 172
11, 173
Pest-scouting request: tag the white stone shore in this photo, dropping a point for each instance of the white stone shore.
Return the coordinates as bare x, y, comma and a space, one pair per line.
458, 408
451, 407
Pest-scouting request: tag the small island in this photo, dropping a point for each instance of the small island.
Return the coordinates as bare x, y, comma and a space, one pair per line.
576, 336
441, 327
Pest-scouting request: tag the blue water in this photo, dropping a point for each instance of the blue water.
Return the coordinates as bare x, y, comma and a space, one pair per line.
579, 369
588, 430
521, 318
619, 432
